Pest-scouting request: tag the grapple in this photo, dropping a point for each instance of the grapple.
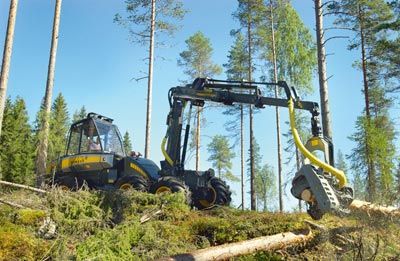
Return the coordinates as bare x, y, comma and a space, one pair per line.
322, 186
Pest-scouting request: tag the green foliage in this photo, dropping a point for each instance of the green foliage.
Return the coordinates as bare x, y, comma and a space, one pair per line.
79, 114
137, 18
221, 156
265, 183
59, 125
294, 45
378, 133
127, 143
196, 60
236, 69
257, 158
16, 150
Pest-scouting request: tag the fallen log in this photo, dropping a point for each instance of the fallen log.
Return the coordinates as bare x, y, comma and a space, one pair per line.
370, 209
227, 251
12, 204
11, 184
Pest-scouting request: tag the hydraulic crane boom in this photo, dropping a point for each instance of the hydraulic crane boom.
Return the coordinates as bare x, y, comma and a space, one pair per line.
315, 186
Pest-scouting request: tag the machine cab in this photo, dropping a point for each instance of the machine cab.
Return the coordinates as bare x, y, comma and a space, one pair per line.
95, 134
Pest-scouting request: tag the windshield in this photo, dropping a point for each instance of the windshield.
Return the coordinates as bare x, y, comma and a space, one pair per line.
110, 138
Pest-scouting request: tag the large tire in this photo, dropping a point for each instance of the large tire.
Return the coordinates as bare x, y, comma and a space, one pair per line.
170, 184
217, 193
135, 182
66, 183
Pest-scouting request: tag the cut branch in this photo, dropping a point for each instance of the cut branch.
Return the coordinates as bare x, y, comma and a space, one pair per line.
2, 182
227, 251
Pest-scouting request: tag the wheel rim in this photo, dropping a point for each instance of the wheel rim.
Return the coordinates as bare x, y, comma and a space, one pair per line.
208, 203
163, 189
126, 186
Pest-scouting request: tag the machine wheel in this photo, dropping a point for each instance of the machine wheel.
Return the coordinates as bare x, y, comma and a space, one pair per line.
66, 183
135, 182
217, 193
170, 185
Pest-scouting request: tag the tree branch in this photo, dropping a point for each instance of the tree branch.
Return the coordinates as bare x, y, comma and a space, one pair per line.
334, 37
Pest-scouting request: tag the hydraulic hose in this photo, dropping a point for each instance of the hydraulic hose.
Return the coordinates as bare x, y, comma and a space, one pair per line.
164, 152
341, 177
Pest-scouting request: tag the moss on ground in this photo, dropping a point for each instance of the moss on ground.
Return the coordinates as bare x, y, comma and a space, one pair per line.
106, 226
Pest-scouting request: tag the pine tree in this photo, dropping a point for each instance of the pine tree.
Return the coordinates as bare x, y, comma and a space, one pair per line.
221, 156
289, 52
41, 157
150, 18
196, 61
127, 143
237, 69
249, 14
59, 125
5, 66
363, 17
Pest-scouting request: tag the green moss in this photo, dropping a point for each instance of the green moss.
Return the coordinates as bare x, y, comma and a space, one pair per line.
30, 217
17, 243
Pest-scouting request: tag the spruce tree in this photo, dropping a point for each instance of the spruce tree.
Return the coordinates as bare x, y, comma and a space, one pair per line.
6, 140
79, 114
127, 143
17, 151
59, 125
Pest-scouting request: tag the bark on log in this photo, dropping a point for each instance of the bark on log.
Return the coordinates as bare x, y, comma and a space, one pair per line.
370, 209
2, 182
226, 251
12, 204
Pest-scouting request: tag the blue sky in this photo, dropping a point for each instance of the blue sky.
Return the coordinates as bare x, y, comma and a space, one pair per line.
96, 64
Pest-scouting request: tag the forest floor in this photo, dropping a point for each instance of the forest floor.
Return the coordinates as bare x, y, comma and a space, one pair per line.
139, 226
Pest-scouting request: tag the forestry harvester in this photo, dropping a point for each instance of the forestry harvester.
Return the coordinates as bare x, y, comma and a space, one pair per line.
95, 153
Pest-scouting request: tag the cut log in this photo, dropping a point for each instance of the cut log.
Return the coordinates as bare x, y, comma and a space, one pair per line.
370, 209
12, 204
227, 251
2, 182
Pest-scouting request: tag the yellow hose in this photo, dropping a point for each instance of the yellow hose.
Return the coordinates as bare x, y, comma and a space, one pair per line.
314, 160
164, 152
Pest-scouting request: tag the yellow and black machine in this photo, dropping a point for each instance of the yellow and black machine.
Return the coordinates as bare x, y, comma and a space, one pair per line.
318, 182
95, 156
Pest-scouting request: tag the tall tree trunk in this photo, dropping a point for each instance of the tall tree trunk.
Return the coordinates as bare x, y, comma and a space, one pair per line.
370, 167
5, 67
150, 80
252, 167
198, 129
278, 126
242, 154
44, 132
323, 83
